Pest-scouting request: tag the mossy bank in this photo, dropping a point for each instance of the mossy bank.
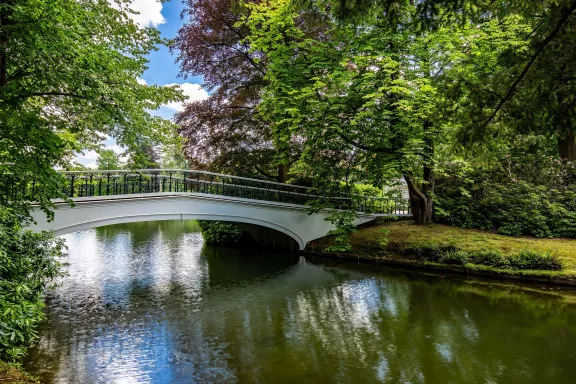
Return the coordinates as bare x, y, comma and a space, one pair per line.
13, 374
474, 252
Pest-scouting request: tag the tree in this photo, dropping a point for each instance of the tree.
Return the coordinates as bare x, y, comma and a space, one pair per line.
108, 160
68, 77
524, 84
173, 157
224, 133
365, 101
147, 157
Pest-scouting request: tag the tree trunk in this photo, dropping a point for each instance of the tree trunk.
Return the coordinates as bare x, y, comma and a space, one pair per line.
4, 46
283, 170
567, 146
421, 195
421, 202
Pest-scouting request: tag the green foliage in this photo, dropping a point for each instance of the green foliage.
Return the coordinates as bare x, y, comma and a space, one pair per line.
220, 232
28, 263
449, 254
12, 373
68, 77
342, 221
510, 202
490, 258
528, 259
428, 252
384, 240
108, 160
366, 190
457, 258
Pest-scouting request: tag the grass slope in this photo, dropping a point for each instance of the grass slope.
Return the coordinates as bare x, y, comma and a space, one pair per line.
366, 244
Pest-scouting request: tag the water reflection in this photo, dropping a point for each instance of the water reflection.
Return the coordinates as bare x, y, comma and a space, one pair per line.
148, 303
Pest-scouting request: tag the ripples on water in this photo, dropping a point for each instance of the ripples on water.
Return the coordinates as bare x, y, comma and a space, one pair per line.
149, 303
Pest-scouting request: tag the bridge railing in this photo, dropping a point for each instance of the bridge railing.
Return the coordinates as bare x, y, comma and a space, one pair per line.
129, 182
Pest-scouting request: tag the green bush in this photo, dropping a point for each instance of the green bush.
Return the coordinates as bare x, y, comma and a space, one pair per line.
448, 254
28, 263
220, 232
490, 258
534, 260
486, 200
458, 258
428, 252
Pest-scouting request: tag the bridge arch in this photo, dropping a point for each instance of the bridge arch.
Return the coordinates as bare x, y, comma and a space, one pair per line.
90, 212
80, 226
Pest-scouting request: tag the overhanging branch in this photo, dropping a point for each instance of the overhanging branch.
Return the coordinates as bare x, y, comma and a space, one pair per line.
563, 19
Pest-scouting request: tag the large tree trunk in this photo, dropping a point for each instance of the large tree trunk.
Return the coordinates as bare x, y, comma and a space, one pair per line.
421, 199
421, 194
567, 146
283, 170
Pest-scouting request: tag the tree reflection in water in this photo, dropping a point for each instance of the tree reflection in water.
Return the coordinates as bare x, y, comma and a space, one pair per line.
147, 302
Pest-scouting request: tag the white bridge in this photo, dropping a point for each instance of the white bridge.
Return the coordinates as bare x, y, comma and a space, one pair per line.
274, 214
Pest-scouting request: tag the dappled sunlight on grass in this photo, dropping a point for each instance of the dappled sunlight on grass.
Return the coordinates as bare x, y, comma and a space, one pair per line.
367, 242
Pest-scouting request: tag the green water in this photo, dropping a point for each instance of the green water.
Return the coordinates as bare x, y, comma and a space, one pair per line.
149, 303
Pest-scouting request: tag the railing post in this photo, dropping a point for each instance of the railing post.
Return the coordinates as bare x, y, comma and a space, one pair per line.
72, 186
185, 181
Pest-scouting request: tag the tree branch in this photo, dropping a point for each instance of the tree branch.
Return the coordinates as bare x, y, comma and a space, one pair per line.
533, 58
361, 146
265, 173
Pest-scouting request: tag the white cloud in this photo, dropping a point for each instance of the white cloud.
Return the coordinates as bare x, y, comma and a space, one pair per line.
141, 81
116, 148
89, 158
90, 155
149, 12
192, 92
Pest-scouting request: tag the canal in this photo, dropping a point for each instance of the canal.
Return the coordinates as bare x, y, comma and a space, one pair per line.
150, 303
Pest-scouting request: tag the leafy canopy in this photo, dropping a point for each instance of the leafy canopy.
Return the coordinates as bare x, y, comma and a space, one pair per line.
68, 78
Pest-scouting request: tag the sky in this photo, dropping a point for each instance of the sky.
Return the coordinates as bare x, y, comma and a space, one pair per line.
162, 68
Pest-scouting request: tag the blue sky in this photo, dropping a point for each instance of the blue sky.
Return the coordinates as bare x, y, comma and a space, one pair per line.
162, 68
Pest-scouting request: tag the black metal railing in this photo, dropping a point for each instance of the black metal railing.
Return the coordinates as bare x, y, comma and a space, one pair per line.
143, 181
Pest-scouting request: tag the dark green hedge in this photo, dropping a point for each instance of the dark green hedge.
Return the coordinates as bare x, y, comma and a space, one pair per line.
510, 207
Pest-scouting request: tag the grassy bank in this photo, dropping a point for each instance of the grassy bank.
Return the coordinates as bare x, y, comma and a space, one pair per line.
13, 374
404, 240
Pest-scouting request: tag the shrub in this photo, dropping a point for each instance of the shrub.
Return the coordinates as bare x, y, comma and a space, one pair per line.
486, 201
458, 258
220, 232
428, 252
528, 259
28, 263
490, 258
448, 254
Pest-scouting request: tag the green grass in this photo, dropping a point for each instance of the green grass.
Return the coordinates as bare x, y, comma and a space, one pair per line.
13, 374
367, 243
